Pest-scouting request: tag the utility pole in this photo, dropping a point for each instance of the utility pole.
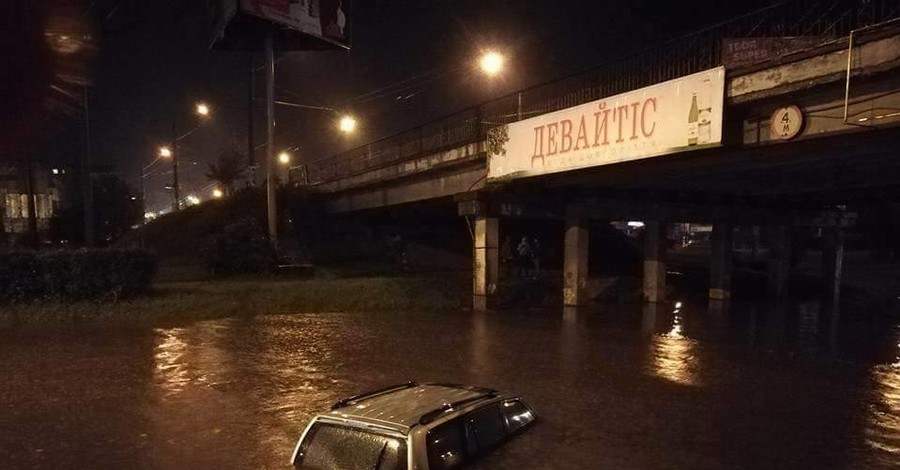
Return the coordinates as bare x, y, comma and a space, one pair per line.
32, 210
87, 191
251, 151
176, 206
270, 141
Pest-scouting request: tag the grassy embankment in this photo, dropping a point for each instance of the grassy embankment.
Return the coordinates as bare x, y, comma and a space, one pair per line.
174, 303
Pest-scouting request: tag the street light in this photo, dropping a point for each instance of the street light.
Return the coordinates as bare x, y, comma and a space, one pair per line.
217, 193
347, 124
202, 110
491, 63
284, 158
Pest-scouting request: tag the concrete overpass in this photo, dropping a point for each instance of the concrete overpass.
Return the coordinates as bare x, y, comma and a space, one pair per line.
843, 85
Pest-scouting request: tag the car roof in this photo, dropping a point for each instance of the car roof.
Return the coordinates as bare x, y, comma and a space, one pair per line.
404, 406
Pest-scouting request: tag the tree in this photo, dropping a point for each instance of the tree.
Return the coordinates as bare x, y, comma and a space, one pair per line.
227, 169
116, 210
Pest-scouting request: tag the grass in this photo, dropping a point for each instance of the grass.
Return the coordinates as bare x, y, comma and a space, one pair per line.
182, 302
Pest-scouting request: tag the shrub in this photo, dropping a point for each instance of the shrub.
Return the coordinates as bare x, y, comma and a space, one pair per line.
81, 274
242, 247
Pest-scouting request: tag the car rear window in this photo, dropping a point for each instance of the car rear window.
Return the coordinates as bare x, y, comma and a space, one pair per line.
331, 446
517, 415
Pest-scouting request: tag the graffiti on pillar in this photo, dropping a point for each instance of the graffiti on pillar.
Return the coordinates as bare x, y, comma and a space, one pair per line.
497, 139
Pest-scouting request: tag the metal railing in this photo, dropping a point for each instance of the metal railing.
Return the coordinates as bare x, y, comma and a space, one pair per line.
695, 52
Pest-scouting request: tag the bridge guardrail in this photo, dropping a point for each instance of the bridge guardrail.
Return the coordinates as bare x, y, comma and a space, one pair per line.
697, 51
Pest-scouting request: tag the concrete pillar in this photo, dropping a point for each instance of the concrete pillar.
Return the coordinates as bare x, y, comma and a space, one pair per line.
649, 317
486, 261
654, 261
720, 266
832, 264
576, 262
779, 266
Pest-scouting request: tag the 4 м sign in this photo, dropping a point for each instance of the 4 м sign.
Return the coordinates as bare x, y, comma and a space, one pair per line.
673, 116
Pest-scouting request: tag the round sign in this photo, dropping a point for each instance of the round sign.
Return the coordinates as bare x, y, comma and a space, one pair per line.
786, 123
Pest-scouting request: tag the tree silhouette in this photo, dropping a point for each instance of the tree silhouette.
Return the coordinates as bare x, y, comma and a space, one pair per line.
227, 169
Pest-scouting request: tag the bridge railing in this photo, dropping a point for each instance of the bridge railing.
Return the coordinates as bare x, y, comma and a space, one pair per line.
700, 50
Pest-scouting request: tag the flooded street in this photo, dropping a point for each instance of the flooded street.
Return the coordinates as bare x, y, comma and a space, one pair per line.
619, 387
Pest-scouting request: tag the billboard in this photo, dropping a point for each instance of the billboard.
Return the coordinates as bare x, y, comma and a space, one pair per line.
324, 19
674, 116
294, 24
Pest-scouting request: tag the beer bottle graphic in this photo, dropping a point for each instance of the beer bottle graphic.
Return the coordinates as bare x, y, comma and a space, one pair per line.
704, 101
693, 130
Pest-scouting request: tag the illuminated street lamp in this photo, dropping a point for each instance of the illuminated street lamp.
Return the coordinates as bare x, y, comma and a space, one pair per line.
202, 110
217, 193
284, 158
347, 124
492, 63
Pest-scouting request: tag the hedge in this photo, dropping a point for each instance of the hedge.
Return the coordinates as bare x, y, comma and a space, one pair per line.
81, 274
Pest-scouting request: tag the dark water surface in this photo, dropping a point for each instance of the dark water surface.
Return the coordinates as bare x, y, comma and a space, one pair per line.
620, 387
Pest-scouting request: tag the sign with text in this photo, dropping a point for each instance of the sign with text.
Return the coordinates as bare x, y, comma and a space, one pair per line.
743, 52
674, 116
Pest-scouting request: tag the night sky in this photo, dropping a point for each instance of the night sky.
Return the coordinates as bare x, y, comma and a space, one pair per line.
411, 61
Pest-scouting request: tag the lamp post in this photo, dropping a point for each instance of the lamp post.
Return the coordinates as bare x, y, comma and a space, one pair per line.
346, 123
202, 110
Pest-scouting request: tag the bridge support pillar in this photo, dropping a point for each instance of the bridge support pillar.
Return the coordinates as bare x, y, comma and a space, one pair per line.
720, 267
486, 261
779, 265
654, 261
576, 262
832, 263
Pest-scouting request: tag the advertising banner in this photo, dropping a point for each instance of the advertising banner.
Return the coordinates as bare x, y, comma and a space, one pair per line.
325, 19
674, 116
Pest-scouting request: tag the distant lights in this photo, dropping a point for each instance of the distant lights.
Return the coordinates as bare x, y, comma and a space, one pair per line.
217, 193
284, 158
193, 200
55, 171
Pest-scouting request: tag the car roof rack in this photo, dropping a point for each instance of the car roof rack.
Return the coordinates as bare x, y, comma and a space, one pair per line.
471, 388
374, 393
435, 414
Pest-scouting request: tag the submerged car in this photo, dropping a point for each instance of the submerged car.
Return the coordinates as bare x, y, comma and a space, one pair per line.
411, 426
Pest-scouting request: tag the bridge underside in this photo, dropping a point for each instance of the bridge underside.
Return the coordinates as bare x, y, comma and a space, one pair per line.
844, 158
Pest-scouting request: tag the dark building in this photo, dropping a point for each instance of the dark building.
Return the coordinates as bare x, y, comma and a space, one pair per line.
14, 195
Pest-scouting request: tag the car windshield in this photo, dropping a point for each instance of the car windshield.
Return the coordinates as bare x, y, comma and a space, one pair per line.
329, 446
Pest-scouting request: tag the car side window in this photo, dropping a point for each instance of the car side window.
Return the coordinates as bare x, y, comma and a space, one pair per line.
517, 415
486, 426
447, 445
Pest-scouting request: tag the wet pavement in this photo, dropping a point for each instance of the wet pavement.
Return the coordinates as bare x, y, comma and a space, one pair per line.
680, 386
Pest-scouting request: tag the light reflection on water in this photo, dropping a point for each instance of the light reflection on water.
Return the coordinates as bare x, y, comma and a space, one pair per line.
170, 367
883, 432
672, 353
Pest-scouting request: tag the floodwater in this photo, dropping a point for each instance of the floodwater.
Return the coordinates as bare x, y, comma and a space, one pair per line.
621, 387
